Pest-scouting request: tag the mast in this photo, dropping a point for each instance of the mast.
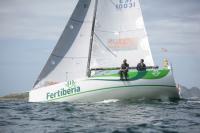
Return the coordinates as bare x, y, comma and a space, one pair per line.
88, 73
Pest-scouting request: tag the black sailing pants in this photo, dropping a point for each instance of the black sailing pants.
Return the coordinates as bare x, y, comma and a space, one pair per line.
123, 73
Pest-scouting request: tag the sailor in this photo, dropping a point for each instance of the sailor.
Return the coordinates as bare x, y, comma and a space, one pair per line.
141, 66
124, 70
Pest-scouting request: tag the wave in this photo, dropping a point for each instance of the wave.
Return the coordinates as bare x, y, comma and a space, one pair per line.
109, 101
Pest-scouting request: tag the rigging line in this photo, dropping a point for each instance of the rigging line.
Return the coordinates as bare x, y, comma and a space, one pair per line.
103, 44
68, 57
112, 2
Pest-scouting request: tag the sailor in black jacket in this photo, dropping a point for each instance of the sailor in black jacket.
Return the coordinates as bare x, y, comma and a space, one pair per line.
141, 66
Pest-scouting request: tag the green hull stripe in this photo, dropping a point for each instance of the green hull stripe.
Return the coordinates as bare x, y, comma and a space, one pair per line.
110, 88
135, 75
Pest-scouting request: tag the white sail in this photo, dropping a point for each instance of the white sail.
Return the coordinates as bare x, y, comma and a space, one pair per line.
69, 57
119, 34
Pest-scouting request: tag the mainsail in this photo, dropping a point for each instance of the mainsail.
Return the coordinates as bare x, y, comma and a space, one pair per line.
69, 57
119, 34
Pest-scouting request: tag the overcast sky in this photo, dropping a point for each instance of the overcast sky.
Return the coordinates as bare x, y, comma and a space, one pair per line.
29, 29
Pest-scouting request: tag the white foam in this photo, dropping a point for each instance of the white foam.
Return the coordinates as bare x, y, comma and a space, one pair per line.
109, 101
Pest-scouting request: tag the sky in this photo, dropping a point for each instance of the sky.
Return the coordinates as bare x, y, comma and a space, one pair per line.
29, 30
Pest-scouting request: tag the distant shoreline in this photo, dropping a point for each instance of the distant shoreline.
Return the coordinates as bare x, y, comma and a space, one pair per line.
15, 97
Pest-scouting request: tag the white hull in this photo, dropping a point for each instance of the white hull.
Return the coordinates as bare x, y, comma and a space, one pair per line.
98, 89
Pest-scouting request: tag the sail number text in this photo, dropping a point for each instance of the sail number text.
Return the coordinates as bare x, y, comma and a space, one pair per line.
125, 4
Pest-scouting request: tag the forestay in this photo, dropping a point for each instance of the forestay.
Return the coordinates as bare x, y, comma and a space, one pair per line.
119, 34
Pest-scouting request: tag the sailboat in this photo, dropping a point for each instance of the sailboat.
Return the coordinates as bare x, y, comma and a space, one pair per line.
84, 65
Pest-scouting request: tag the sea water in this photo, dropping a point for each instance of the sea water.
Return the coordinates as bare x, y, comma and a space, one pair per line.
110, 116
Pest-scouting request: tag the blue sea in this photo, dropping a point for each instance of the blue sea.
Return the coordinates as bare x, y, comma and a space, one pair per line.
141, 116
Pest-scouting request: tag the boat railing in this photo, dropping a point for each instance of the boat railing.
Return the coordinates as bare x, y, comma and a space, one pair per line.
118, 68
